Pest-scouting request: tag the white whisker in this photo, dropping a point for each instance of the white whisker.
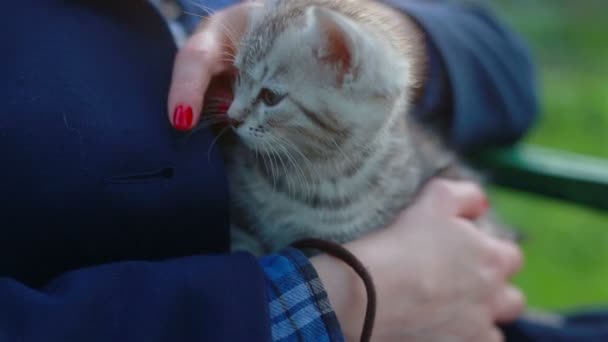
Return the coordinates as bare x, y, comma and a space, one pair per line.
299, 173
215, 141
308, 188
229, 34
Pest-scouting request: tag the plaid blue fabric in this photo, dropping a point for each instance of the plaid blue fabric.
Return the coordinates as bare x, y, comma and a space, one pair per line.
298, 305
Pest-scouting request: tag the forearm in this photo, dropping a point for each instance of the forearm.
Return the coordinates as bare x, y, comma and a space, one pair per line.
188, 299
345, 291
481, 81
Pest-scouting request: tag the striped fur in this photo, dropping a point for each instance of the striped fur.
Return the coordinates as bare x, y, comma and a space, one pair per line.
336, 157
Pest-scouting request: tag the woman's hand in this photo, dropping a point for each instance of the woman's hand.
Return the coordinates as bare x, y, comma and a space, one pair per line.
437, 277
205, 56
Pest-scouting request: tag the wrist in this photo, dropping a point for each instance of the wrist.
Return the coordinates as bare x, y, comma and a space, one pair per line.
345, 290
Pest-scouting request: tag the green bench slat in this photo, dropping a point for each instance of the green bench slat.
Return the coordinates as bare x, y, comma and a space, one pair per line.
568, 176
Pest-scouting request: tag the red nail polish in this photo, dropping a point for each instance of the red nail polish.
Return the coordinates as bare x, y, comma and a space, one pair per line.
182, 117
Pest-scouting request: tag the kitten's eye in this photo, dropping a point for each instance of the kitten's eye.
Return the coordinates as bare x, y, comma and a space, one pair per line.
269, 97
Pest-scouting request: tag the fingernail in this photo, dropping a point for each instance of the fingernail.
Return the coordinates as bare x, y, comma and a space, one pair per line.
182, 117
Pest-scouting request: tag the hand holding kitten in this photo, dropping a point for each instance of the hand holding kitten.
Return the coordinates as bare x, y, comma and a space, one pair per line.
205, 56
437, 277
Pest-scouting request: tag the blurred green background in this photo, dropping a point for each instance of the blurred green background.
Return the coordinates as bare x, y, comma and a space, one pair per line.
566, 265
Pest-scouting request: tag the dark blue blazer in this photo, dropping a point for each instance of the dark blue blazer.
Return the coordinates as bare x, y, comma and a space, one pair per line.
114, 227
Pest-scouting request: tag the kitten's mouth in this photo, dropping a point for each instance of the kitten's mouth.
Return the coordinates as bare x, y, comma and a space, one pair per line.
217, 104
214, 113
217, 101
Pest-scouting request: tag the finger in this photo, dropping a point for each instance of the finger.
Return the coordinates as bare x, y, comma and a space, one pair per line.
192, 72
507, 257
464, 199
206, 54
508, 305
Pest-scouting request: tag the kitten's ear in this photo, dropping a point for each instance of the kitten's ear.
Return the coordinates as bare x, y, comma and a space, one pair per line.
334, 40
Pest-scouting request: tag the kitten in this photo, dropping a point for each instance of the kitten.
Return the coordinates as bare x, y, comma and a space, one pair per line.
326, 147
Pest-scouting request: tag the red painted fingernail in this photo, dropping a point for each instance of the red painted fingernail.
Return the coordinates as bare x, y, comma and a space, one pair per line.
182, 117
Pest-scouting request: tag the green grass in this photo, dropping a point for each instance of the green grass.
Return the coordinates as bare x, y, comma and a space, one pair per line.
567, 248
566, 263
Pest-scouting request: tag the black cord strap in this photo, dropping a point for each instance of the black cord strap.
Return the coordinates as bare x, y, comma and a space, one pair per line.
337, 251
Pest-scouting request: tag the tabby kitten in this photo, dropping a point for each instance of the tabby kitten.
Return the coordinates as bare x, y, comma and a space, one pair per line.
326, 147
